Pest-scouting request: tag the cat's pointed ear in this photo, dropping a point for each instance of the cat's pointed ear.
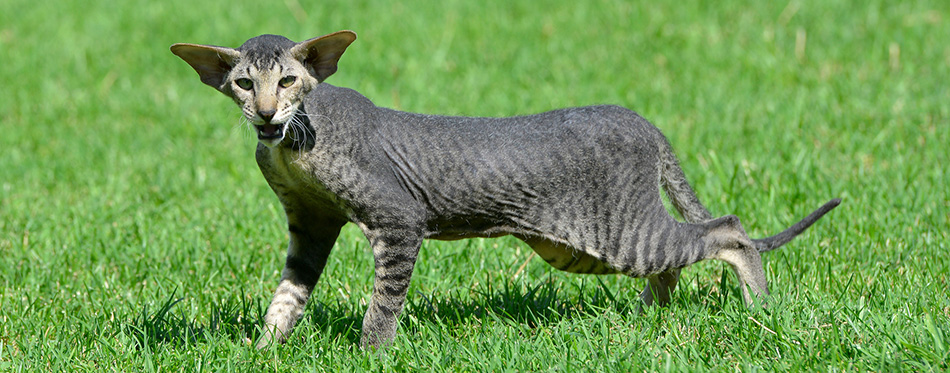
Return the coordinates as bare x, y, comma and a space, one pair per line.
321, 55
212, 63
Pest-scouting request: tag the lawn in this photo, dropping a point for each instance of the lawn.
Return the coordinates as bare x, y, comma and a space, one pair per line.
136, 233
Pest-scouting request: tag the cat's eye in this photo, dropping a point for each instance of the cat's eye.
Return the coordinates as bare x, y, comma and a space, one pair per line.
245, 83
287, 81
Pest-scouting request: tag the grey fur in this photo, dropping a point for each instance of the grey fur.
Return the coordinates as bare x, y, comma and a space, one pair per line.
579, 185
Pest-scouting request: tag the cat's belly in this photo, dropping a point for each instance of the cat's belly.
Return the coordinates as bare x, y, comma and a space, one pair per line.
558, 255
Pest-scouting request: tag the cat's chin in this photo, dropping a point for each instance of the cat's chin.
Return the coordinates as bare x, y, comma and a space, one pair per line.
270, 134
270, 143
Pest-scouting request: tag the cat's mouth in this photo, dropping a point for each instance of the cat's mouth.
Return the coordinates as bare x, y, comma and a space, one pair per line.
269, 131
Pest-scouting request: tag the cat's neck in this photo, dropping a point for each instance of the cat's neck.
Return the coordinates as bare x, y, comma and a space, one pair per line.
300, 133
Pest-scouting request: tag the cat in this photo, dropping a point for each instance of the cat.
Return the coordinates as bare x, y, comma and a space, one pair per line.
581, 186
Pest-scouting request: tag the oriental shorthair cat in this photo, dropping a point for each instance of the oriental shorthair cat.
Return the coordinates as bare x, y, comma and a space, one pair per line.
581, 186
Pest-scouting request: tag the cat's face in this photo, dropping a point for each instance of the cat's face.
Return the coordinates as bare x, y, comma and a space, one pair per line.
269, 93
268, 76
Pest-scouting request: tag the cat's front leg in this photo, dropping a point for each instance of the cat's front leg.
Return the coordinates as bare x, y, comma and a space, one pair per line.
310, 243
394, 252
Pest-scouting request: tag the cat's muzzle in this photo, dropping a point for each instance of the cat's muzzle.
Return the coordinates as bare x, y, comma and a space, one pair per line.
270, 133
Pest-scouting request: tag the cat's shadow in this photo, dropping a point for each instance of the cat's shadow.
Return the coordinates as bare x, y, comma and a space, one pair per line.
532, 305
541, 304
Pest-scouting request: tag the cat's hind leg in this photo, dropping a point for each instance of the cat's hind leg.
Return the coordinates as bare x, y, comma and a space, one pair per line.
659, 288
687, 204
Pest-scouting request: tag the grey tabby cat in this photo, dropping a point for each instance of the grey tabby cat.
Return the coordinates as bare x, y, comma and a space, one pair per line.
579, 185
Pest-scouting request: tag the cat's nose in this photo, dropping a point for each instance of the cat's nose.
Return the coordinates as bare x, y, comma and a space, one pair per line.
267, 115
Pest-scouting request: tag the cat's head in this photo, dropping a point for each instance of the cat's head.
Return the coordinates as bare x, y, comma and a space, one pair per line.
268, 76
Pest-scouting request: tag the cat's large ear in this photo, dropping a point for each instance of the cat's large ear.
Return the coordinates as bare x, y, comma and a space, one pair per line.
212, 63
321, 55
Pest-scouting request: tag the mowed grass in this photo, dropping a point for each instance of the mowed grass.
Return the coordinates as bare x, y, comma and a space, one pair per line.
136, 233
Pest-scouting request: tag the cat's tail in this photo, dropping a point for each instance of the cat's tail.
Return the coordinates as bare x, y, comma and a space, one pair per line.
776, 241
684, 200
673, 181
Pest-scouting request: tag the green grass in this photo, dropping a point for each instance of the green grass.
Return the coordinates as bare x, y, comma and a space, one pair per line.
136, 233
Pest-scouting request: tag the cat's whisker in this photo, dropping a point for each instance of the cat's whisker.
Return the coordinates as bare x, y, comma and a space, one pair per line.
292, 127
244, 126
301, 135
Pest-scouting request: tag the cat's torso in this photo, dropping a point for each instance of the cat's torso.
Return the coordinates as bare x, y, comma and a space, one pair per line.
582, 178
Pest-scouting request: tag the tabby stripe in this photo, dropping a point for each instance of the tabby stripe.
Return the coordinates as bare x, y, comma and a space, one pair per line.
658, 260
636, 246
395, 276
654, 232
392, 289
591, 266
389, 258
624, 217
640, 228
645, 230
682, 257
574, 260
385, 309
664, 232
291, 298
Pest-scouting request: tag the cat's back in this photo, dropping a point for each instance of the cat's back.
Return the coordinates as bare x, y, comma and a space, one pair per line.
605, 125
329, 98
